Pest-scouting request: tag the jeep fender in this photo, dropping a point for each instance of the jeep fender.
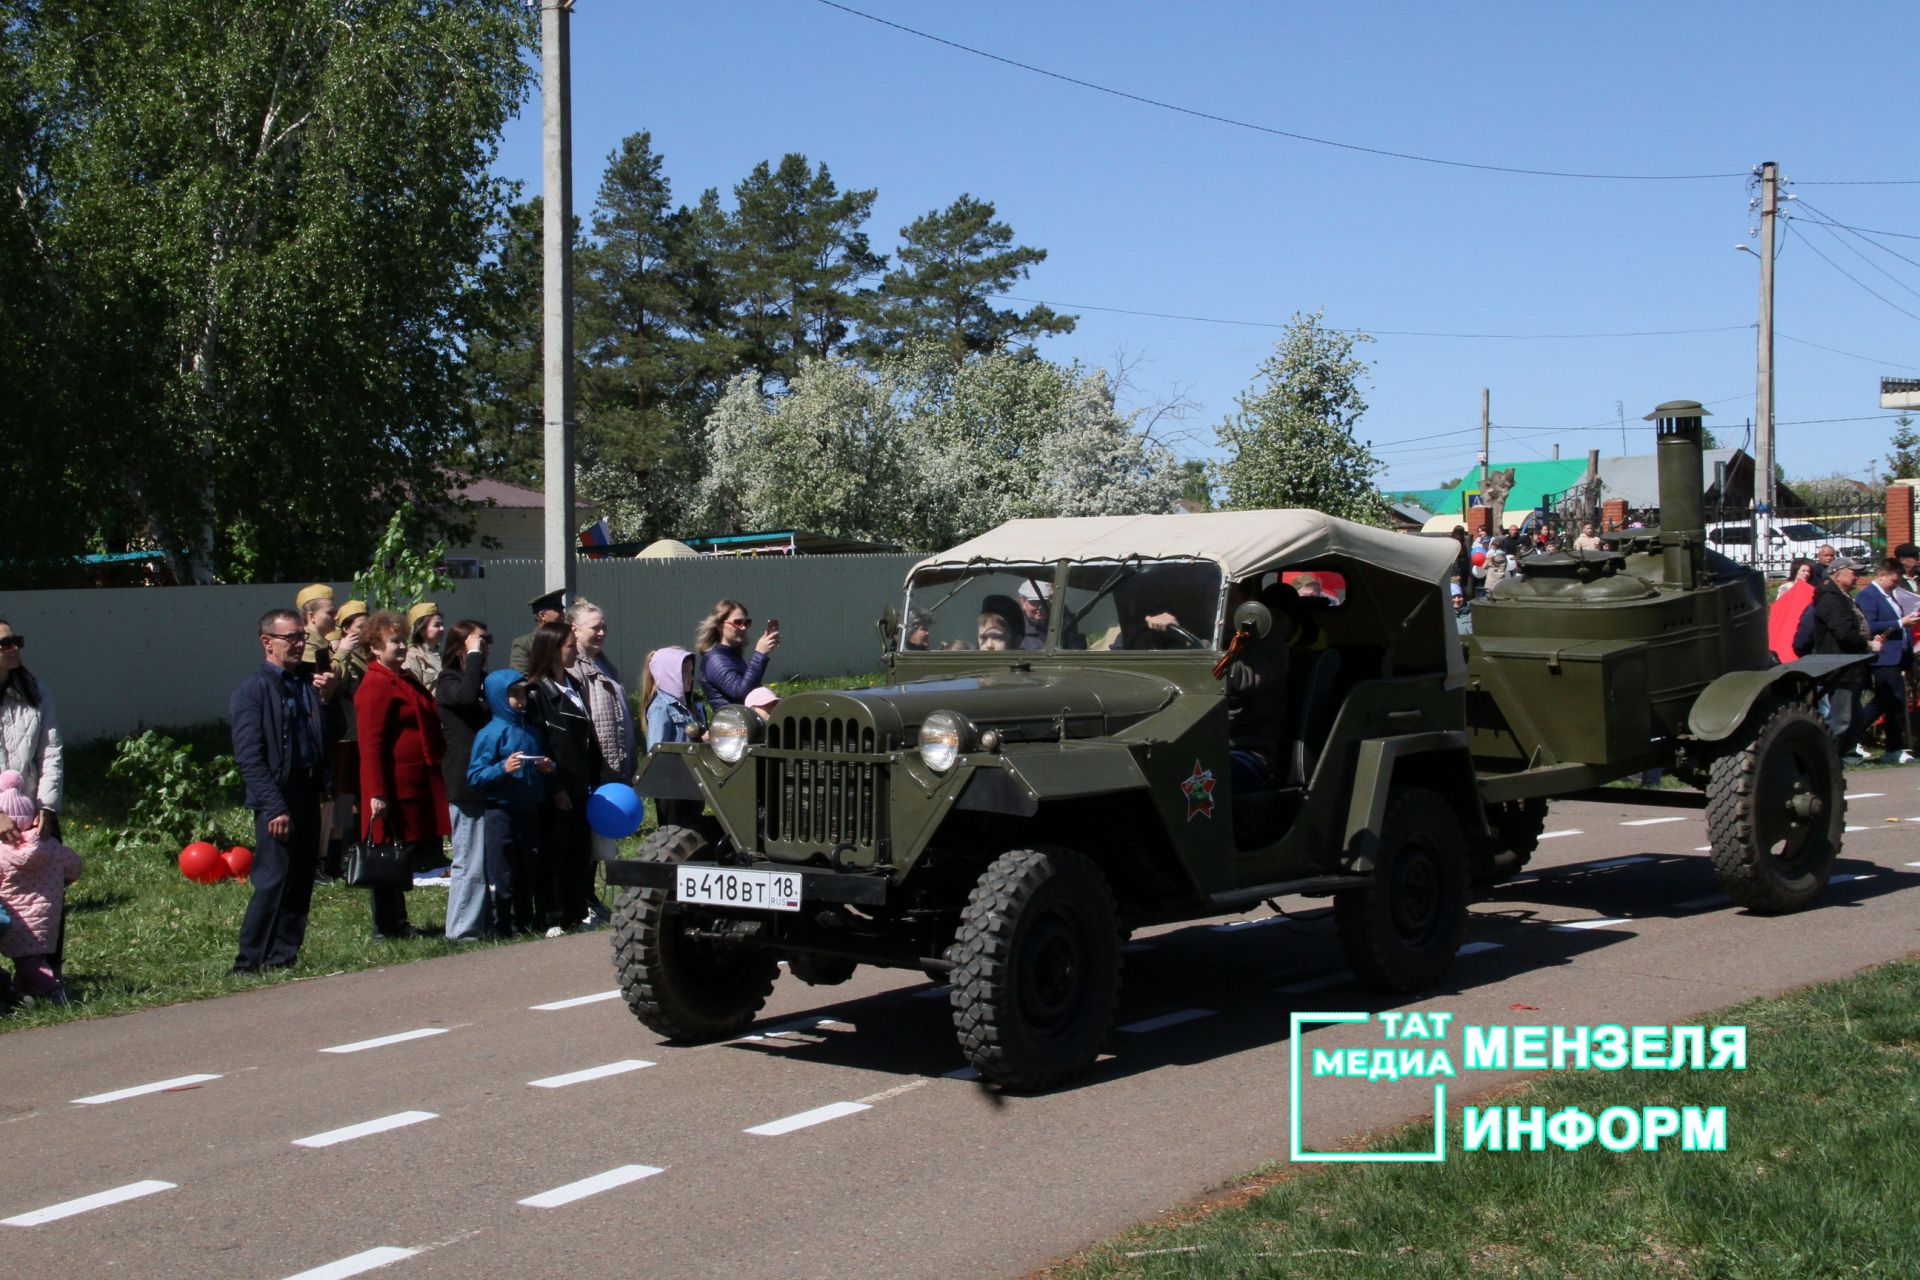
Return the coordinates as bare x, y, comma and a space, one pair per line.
1438, 760
1724, 705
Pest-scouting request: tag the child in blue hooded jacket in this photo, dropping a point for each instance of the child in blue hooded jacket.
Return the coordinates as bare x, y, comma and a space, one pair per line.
506, 766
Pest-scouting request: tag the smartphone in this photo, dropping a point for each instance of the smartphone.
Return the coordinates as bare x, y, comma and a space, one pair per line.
773, 624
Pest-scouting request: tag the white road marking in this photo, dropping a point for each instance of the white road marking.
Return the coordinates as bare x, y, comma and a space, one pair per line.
1611, 863
380, 1042
934, 993
1478, 948
1711, 900
98, 1200
797, 1026
807, 1119
577, 1001
1165, 1020
1317, 984
1555, 835
1914, 864
1703, 848
1864, 875
365, 1261
158, 1086
1653, 822
1856, 828
1865, 795
1575, 926
590, 1073
398, 1120
591, 1186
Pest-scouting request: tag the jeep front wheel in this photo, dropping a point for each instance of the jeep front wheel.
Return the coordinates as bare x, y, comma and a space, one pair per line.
1401, 931
685, 987
1036, 968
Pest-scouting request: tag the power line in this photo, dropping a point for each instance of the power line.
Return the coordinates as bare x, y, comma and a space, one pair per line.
1864, 258
1815, 250
1826, 220
1269, 129
1377, 333
1892, 364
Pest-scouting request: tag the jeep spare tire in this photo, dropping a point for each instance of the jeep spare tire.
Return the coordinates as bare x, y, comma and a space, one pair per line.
684, 987
1400, 932
1036, 968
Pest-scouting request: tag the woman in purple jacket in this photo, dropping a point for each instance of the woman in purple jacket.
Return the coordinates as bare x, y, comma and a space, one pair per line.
726, 673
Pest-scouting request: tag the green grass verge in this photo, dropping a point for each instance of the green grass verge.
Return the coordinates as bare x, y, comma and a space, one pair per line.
1820, 1176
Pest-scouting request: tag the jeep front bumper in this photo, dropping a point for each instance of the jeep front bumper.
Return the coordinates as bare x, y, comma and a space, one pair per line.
855, 889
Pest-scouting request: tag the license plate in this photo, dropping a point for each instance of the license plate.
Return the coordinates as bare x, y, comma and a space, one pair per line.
728, 887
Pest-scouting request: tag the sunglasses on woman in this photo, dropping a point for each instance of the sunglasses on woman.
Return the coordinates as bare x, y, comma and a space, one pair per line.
13, 642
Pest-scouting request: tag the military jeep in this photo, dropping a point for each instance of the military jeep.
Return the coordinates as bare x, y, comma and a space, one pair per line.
1002, 817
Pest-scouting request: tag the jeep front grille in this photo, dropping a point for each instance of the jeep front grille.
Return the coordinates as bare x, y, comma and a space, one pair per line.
821, 784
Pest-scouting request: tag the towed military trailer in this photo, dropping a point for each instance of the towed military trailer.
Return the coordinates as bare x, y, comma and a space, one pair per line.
1002, 817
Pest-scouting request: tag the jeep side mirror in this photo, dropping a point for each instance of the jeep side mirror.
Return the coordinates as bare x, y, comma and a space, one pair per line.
888, 628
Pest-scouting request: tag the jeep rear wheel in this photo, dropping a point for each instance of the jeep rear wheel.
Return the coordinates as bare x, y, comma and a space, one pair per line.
684, 987
1400, 933
1776, 811
1036, 968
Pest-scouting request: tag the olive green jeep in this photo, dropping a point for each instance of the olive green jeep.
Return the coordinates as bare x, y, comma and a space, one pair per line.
1048, 769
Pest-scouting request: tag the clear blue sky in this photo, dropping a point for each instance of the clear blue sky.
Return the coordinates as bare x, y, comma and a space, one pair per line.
1144, 209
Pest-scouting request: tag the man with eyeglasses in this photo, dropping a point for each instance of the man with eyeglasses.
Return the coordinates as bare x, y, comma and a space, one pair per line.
275, 716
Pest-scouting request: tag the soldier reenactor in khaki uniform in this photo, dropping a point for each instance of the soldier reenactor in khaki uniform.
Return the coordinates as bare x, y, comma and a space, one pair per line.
549, 606
349, 667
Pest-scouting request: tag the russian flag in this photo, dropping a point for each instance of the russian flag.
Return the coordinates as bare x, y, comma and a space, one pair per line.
596, 535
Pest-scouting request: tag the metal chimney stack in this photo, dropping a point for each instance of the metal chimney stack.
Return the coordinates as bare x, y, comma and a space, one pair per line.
1683, 524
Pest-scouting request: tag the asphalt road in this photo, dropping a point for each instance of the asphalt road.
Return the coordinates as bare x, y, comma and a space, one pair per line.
506, 1136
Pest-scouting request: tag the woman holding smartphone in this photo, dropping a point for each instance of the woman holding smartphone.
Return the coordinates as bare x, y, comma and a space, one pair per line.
726, 673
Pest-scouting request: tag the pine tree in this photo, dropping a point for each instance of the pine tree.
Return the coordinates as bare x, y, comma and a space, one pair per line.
952, 262
1904, 462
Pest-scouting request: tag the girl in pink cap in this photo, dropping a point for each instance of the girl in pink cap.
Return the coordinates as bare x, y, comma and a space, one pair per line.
34, 876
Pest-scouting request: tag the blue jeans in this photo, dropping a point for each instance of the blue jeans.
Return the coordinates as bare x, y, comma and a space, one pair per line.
467, 913
512, 862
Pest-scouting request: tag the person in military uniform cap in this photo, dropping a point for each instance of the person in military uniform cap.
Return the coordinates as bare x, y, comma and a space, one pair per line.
315, 603
425, 628
549, 606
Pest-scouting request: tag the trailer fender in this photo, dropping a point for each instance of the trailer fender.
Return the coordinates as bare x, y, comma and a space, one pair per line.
1724, 705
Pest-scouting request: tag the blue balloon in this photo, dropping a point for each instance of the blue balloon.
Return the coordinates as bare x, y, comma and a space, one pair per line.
615, 810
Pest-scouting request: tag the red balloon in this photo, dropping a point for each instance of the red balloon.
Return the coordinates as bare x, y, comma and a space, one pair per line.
201, 863
1479, 556
239, 860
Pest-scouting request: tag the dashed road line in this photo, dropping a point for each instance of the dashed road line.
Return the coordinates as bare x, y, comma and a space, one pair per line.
1478, 948
1555, 835
333, 1137
380, 1042
590, 1073
1576, 926
1320, 983
1703, 848
593, 1186
1914, 864
1654, 822
358, 1264
1166, 1020
1850, 830
158, 1086
1235, 925
1865, 795
807, 1119
576, 1001
86, 1204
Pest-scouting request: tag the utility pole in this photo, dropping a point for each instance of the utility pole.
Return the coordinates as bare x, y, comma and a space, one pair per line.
1766, 490
556, 132
1486, 421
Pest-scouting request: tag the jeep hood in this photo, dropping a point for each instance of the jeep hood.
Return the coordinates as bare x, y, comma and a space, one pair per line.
1022, 705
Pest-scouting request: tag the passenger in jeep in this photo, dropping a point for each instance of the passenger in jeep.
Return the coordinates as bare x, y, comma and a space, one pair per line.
1256, 675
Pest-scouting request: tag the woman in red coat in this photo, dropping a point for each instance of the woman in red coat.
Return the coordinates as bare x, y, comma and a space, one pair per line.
403, 798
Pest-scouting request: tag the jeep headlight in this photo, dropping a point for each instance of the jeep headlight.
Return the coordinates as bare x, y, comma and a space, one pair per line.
943, 736
730, 732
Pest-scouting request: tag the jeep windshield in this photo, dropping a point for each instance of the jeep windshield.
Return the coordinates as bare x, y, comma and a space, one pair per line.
1125, 604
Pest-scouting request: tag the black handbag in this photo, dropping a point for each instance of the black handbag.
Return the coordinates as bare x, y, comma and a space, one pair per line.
379, 866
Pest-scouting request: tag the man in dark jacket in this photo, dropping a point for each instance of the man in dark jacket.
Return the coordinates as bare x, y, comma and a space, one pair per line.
1887, 624
550, 606
276, 723
1833, 623
1256, 687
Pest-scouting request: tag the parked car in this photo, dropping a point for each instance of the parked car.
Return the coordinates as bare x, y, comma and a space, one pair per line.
1791, 539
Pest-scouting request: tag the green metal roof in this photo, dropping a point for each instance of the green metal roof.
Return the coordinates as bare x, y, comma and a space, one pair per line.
1531, 480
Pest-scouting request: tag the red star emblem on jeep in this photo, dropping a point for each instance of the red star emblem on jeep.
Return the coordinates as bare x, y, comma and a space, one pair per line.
1198, 789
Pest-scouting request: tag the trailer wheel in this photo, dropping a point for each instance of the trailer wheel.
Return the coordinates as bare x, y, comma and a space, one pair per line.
1776, 810
1400, 932
685, 988
1515, 834
1036, 968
